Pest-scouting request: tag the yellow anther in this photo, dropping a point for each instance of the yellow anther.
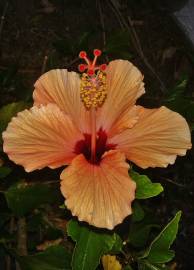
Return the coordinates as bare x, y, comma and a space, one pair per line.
93, 90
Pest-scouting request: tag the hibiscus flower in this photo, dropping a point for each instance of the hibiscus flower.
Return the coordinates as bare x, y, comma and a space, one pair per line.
91, 123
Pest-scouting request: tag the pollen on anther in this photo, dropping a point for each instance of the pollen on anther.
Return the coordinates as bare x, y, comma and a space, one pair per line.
93, 81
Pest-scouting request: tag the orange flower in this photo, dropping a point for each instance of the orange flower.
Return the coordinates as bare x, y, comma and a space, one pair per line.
94, 135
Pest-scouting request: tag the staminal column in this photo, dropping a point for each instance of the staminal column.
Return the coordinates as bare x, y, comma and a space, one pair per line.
93, 134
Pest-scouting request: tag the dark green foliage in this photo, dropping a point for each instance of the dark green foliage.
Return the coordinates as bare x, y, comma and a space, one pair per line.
23, 197
53, 258
4, 171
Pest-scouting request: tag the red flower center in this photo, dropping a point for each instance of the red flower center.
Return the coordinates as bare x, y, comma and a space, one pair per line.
84, 146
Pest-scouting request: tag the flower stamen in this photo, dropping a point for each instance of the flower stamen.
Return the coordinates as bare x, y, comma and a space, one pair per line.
93, 83
93, 137
92, 91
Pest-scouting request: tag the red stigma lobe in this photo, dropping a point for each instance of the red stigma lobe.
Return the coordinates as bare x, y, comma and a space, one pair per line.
82, 54
91, 66
97, 52
82, 67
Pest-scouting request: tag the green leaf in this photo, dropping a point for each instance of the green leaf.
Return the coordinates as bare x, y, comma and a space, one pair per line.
145, 265
139, 233
158, 251
178, 90
90, 245
117, 246
23, 197
145, 188
8, 111
53, 258
178, 100
138, 212
4, 171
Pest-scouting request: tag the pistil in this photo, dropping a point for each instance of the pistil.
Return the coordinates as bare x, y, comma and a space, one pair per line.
92, 92
93, 134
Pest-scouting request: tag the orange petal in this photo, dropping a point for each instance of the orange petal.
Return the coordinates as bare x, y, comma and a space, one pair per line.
126, 121
157, 138
99, 194
124, 86
41, 137
63, 89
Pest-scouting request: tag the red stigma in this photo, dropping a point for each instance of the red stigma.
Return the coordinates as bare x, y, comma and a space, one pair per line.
82, 67
90, 72
97, 52
82, 54
103, 67
91, 65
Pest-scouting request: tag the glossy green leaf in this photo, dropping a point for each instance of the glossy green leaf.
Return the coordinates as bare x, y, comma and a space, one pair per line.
91, 244
145, 188
53, 258
23, 197
158, 251
8, 111
4, 171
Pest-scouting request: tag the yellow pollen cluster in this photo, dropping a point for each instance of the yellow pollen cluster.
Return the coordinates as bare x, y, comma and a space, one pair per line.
93, 90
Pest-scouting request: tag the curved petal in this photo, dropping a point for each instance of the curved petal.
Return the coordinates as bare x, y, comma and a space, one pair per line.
99, 194
157, 138
126, 121
62, 88
41, 137
124, 86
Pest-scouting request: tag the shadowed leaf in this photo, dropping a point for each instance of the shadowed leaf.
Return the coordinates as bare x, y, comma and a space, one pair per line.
53, 258
4, 171
158, 251
23, 197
